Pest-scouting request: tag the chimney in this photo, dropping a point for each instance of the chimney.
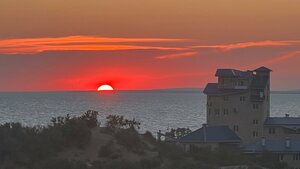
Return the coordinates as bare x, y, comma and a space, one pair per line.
263, 141
287, 115
204, 132
287, 142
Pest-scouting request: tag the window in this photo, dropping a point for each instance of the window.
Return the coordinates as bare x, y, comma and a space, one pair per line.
272, 131
242, 98
226, 112
209, 111
296, 156
255, 134
255, 106
242, 83
255, 121
280, 157
226, 98
261, 94
209, 104
235, 110
217, 112
235, 128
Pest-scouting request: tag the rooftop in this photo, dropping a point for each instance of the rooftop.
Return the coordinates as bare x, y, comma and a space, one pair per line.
231, 73
275, 146
282, 121
213, 89
263, 69
213, 134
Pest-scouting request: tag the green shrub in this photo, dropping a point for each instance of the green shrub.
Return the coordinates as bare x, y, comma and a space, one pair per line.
59, 164
119, 122
106, 150
121, 164
129, 138
25, 146
150, 163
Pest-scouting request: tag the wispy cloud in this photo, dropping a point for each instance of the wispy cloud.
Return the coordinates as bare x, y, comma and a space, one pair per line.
177, 55
85, 43
268, 43
282, 58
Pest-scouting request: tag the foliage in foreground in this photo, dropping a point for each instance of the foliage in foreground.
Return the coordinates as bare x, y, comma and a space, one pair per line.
35, 147
24, 146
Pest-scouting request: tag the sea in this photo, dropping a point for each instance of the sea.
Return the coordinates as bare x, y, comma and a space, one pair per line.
155, 110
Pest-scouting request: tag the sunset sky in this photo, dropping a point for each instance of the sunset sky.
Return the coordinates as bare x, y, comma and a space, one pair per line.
50, 45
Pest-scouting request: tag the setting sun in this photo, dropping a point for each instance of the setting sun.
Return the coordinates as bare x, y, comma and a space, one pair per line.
105, 88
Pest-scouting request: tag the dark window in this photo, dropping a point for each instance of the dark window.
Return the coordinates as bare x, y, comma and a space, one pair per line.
225, 112
281, 157
242, 83
255, 106
226, 98
272, 131
296, 156
235, 128
217, 112
242, 98
255, 134
255, 121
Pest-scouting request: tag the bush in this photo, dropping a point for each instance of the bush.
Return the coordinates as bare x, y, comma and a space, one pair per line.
106, 150
150, 163
128, 138
60, 164
121, 164
119, 122
149, 137
25, 146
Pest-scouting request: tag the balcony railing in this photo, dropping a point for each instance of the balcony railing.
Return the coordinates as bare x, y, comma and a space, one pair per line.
240, 87
257, 98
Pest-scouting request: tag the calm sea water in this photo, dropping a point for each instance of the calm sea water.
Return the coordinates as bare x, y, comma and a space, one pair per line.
156, 110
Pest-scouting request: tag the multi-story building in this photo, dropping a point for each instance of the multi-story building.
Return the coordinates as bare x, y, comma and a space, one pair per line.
238, 113
240, 100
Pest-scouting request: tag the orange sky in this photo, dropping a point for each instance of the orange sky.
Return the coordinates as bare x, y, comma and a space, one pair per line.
80, 44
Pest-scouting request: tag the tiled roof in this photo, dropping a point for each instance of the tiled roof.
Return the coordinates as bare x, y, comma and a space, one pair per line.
213, 134
231, 73
212, 89
283, 121
275, 146
263, 69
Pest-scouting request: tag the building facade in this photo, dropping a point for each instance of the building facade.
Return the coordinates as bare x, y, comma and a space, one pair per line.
241, 101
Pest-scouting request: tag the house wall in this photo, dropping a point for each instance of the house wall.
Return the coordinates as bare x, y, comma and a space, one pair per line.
230, 83
190, 146
291, 160
239, 113
280, 133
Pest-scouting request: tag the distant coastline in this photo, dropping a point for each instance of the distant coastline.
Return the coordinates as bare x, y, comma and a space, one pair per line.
148, 90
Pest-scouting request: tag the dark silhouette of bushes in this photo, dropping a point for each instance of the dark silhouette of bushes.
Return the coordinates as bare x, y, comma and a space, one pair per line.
24, 146
106, 150
119, 122
59, 164
129, 138
178, 133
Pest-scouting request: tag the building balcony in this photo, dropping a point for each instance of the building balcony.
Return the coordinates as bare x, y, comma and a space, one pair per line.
229, 86
240, 87
257, 98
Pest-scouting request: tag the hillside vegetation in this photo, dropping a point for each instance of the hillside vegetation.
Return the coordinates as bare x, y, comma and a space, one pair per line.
79, 143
